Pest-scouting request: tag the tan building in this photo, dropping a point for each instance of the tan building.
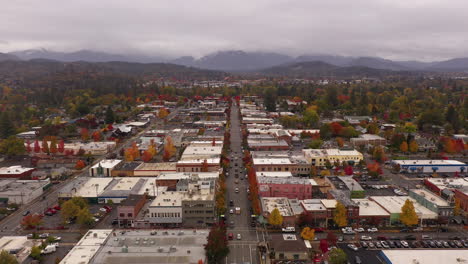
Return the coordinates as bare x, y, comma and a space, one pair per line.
318, 157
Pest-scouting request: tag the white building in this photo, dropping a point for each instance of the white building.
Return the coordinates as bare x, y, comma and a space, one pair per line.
166, 208
106, 166
22, 191
431, 166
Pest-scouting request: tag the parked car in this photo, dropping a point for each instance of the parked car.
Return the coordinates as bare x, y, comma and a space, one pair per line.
404, 244
446, 244
452, 244
378, 244
359, 230
398, 244
384, 244
372, 230
366, 238
371, 245
353, 247
364, 244
239, 237
230, 236
25, 213
391, 244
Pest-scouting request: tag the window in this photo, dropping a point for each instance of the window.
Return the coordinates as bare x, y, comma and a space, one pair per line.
122, 215
130, 214
296, 256
281, 255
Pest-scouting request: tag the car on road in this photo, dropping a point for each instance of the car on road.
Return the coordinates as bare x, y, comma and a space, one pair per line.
25, 213
426, 237
231, 203
57, 207
289, 229
366, 238
231, 211
410, 237
372, 230
236, 181
237, 190
239, 237
230, 236
44, 235
359, 230
353, 247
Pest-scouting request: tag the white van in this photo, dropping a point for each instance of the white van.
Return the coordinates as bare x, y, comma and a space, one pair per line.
49, 249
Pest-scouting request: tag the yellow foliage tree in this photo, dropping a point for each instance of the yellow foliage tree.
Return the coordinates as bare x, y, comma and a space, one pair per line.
456, 208
324, 173
128, 154
340, 216
408, 214
163, 113
275, 218
413, 146
308, 233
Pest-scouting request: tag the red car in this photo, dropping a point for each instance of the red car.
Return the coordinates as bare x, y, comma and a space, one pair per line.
319, 230
230, 236
57, 207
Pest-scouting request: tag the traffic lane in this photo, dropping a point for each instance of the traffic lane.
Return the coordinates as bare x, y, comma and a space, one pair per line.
241, 252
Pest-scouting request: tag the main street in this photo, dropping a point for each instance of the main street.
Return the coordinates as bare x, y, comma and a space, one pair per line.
245, 249
11, 224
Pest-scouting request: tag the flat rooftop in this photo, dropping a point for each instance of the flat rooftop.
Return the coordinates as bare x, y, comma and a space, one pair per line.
14, 170
274, 174
168, 199
292, 180
188, 175
370, 208
393, 205
329, 203
281, 203
278, 161
425, 256
428, 162
313, 205
161, 166
437, 200
184, 246
107, 163
202, 150
87, 247
128, 166
351, 183
91, 187
13, 186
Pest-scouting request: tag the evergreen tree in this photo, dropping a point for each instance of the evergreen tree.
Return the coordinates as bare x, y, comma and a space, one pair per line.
110, 117
6, 126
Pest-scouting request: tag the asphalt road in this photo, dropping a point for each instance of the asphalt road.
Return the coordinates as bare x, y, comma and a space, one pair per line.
11, 224
243, 250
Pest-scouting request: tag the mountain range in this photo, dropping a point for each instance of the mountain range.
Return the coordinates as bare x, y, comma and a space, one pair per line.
241, 61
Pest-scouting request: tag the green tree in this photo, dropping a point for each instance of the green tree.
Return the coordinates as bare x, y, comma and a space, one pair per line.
110, 117
69, 210
451, 116
310, 117
325, 131
408, 214
7, 258
315, 144
337, 256
340, 216
84, 218
270, 98
12, 146
6, 126
36, 253
275, 218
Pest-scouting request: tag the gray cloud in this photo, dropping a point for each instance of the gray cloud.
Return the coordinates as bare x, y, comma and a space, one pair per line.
395, 29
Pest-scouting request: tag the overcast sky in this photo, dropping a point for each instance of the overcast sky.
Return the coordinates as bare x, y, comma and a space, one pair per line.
394, 29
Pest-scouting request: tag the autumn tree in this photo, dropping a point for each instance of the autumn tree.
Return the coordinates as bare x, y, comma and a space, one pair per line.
379, 154
163, 113
310, 117
97, 136
146, 157
53, 145
404, 147
37, 148
61, 146
169, 149
408, 214
457, 207
325, 173
413, 146
216, 249
84, 132
45, 146
340, 215
80, 165
31, 221
308, 233
84, 218
28, 146
129, 154
275, 218
340, 142
36, 253
449, 146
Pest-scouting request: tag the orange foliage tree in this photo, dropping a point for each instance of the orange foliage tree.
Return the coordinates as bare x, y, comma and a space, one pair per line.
97, 136
31, 221
84, 134
169, 149
61, 146
80, 165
